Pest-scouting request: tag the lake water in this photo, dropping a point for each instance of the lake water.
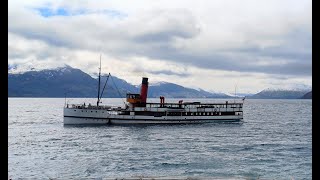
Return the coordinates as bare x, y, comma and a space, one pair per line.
274, 141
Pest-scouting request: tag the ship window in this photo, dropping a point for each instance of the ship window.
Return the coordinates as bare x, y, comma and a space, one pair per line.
75, 110
91, 111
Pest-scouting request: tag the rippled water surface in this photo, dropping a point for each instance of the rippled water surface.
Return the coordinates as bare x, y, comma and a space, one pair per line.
272, 142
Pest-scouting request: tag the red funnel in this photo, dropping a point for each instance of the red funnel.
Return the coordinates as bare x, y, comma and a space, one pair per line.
144, 90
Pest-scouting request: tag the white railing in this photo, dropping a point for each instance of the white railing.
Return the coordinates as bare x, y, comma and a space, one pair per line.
84, 106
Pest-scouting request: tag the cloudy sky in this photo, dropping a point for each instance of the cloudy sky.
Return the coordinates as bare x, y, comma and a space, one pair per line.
214, 45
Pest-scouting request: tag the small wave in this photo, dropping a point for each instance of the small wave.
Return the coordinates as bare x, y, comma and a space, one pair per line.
166, 164
246, 148
298, 148
89, 150
107, 136
53, 158
133, 149
89, 171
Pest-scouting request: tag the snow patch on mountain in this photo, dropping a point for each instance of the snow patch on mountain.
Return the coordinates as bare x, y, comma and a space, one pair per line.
219, 93
157, 83
36, 66
290, 87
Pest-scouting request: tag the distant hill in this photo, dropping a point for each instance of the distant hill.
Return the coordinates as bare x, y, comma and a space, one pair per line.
279, 94
307, 95
171, 90
76, 83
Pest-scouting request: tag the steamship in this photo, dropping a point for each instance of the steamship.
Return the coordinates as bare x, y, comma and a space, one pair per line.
138, 111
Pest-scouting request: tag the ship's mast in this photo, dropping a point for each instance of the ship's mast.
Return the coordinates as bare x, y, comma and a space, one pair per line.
99, 83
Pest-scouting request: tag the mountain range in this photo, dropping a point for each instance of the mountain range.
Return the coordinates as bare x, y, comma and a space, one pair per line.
72, 82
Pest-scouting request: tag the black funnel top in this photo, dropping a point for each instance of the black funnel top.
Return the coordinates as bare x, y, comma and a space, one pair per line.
144, 80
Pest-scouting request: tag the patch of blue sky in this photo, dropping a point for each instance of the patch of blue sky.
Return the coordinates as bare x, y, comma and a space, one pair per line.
48, 12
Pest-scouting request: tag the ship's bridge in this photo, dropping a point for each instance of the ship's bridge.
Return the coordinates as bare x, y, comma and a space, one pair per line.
133, 98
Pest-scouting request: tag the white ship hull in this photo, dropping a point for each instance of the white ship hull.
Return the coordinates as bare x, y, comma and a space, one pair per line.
85, 116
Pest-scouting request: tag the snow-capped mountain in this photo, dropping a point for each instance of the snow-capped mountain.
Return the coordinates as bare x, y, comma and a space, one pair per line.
290, 87
34, 66
34, 80
289, 92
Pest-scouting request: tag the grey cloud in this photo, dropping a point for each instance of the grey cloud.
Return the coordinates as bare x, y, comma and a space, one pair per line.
164, 26
291, 57
295, 45
236, 62
169, 72
165, 36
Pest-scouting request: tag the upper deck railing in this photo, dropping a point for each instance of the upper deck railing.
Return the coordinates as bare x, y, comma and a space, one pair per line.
84, 106
185, 105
